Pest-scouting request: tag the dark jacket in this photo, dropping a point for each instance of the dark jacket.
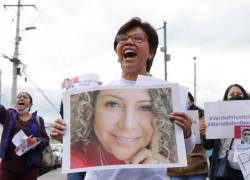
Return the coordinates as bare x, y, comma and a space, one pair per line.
7, 119
212, 144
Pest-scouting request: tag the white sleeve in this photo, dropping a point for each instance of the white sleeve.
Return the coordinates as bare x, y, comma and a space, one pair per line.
91, 175
134, 173
190, 143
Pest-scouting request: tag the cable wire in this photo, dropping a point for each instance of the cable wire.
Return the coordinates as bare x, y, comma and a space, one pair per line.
43, 94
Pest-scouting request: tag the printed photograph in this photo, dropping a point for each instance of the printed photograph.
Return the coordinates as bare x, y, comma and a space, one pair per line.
122, 126
245, 135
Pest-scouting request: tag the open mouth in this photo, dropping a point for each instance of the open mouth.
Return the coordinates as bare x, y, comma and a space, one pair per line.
129, 53
21, 103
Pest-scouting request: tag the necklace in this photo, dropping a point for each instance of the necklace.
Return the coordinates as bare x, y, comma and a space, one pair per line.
102, 159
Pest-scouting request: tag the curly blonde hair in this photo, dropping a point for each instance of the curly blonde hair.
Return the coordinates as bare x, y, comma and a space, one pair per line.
163, 141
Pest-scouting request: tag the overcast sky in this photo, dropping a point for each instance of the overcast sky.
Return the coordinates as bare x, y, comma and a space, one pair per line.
76, 37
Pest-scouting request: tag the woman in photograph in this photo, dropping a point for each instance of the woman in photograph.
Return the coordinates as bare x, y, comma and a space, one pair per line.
122, 126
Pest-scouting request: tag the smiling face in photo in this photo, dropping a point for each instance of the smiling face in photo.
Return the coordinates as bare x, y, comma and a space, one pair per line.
123, 121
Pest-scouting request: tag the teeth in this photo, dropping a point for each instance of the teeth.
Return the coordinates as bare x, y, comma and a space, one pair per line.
129, 51
126, 139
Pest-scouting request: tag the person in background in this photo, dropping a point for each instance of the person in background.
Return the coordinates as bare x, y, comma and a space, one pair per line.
26, 166
135, 43
197, 168
221, 146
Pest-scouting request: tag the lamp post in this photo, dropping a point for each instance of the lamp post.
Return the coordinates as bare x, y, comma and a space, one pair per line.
194, 80
164, 48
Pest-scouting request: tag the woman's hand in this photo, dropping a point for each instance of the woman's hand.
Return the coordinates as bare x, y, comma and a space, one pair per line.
202, 126
184, 121
146, 156
58, 129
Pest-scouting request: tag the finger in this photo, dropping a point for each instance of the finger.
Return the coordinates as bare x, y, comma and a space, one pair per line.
151, 161
56, 136
186, 130
60, 121
59, 126
181, 121
180, 114
58, 131
184, 121
141, 156
34, 140
181, 117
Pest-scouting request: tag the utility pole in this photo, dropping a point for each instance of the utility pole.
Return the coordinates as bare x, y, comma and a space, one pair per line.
164, 48
16, 62
194, 80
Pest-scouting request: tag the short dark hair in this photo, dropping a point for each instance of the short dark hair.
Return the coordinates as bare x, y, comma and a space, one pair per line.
246, 129
191, 97
30, 97
194, 106
148, 29
235, 85
31, 100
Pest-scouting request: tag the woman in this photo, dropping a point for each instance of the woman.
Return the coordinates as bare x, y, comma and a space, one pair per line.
138, 132
197, 168
26, 166
220, 146
135, 43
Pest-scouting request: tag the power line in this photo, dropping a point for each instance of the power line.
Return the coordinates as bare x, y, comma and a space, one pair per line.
43, 94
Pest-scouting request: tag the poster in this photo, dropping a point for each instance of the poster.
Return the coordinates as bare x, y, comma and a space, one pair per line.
222, 116
194, 115
244, 162
122, 127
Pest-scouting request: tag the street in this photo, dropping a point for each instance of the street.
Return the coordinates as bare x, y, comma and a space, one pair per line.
54, 175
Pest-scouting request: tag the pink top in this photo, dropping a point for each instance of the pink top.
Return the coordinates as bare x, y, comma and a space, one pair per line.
92, 155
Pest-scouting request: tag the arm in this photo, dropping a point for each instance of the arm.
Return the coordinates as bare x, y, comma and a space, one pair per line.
44, 138
3, 114
190, 143
207, 143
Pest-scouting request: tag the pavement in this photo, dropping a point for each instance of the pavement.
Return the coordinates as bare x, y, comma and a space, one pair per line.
54, 175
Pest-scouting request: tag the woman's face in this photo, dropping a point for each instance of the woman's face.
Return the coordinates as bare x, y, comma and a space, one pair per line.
22, 101
133, 55
246, 135
123, 121
234, 91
